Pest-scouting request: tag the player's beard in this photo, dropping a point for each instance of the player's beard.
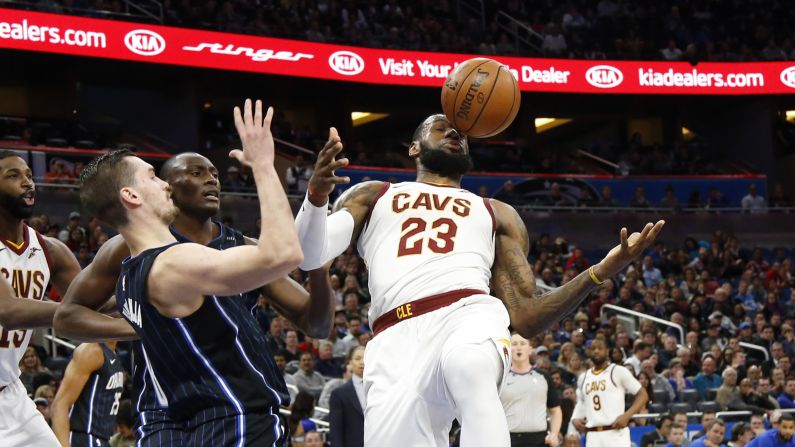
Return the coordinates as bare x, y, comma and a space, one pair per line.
444, 163
16, 206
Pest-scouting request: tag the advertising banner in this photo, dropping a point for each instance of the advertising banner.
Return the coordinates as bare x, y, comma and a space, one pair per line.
55, 33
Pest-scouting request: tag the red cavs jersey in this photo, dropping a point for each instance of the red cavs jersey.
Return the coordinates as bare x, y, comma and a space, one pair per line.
421, 239
27, 269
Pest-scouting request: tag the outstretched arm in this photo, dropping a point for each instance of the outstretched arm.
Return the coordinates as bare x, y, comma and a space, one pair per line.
514, 283
78, 317
184, 273
22, 313
86, 359
324, 237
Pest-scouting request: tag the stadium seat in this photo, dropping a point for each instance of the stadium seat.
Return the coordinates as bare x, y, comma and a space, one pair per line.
681, 407
690, 396
661, 396
657, 408
712, 393
708, 407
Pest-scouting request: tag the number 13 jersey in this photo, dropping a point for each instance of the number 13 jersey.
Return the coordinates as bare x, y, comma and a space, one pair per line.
422, 239
27, 268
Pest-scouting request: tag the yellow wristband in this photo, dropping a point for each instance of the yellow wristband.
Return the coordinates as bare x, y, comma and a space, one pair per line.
593, 277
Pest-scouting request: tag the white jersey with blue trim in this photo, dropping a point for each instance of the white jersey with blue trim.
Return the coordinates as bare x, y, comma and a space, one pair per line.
422, 239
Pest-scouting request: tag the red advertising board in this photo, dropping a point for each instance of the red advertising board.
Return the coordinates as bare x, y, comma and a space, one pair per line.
54, 33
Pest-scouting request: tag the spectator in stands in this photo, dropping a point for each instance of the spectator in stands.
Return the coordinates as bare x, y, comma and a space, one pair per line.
59, 173
299, 420
297, 175
753, 202
639, 200
43, 405
777, 437
274, 335
671, 52
661, 432
577, 261
607, 199
679, 382
326, 364
716, 199
554, 42
651, 274
290, 351
306, 378
30, 366
707, 379
676, 436
669, 200
125, 426
753, 398
347, 405
715, 434
668, 351
313, 439
72, 224
658, 382
786, 399
742, 434
757, 424
641, 352
232, 181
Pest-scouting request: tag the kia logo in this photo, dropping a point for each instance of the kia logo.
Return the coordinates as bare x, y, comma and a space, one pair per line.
346, 63
145, 42
604, 76
788, 77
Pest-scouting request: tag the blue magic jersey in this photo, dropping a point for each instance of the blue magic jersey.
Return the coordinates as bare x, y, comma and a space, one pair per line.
94, 411
211, 364
146, 403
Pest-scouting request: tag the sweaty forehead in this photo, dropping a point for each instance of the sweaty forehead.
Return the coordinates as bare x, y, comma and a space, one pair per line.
434, 119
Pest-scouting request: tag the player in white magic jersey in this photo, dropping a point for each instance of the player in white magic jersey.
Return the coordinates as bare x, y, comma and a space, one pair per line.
433, 250
28, 262
600, 409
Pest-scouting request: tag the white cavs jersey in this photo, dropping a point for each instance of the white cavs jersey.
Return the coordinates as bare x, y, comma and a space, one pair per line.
422, 239
27, 269
600, 396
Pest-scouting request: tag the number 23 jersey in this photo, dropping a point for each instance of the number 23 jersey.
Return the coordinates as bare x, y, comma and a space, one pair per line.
600, 396
422, 239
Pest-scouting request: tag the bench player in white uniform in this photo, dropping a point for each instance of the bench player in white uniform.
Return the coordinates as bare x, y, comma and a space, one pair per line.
441, 345
600, 400
28, 261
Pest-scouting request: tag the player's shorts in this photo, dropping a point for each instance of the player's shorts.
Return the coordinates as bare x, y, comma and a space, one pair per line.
408, 403
157, 429
610, 438
255, 429
21, 424
79, 439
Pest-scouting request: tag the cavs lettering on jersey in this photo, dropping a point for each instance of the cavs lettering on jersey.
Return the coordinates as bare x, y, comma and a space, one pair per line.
27, 269
601, 394
422, 239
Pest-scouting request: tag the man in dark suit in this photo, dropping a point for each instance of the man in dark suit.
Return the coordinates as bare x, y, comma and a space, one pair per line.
660, 434
346, 416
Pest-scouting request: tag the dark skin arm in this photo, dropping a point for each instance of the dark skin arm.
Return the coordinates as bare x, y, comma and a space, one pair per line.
312, 312
514, 282
31, 314
637, 406
77, 317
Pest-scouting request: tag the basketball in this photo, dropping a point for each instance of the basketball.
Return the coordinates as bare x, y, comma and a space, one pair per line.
481, 97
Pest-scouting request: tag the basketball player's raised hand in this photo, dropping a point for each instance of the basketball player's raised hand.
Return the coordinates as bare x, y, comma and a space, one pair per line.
628, 250
323, 178
255, 136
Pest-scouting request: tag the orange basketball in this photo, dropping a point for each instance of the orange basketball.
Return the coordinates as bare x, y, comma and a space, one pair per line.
481, 97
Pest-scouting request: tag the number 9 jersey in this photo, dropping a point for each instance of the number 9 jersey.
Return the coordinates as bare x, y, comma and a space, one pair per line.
422, 239
600, 394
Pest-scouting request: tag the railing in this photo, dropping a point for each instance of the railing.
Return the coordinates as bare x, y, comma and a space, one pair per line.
322, 426
146, 8
49, 334
641, 315
755, 348
521, 33
599, 159
649, 210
